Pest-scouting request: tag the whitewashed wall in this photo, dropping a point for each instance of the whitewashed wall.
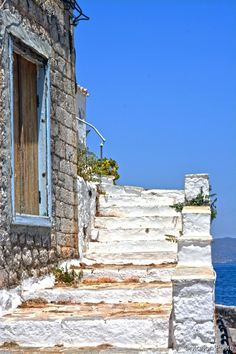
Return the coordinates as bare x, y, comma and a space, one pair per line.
194, 278
81, 101
86, 211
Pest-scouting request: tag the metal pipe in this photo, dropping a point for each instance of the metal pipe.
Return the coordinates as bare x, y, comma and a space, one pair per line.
101, 151
101, 158
92, 126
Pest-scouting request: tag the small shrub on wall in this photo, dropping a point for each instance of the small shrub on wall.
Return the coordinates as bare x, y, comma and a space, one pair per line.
200, 200
89, 166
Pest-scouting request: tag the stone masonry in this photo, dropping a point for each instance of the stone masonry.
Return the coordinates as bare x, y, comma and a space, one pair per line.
45, 28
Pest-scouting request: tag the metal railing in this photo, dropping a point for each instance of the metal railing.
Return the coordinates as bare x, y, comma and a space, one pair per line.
103, 140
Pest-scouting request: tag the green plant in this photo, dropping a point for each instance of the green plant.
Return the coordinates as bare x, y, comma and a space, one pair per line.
200, 200
89, 166
107, 167
171, 238
67, 277
86, 163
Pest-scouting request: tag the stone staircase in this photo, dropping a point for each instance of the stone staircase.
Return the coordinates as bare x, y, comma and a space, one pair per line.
124, 301
132, 224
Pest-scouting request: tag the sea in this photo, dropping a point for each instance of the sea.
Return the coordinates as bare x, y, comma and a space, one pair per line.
225, 283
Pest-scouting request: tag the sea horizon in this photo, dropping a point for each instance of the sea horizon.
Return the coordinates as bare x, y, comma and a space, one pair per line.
225, 293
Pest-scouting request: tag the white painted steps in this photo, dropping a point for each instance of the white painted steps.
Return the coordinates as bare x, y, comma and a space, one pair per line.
132, 326
141, 200
141, 246
101, 349
125, 258
88, 350
132, 191
138, 222
109, 189
124, 301
132, 226
136, 234
144, 204
110, 293
137, 210
116, 273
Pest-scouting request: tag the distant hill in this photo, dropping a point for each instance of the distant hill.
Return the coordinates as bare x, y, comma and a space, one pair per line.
224, 250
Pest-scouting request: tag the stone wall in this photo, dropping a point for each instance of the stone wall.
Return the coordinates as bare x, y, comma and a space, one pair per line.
24, 251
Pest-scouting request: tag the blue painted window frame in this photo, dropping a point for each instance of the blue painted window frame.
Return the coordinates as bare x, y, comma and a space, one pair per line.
44, 148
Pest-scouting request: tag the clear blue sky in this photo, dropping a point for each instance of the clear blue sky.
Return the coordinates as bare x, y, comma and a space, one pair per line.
162, 78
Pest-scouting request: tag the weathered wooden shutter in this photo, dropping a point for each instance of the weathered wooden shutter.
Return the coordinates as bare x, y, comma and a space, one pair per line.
25, 136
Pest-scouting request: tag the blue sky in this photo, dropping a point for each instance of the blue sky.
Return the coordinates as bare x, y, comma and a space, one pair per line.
162, 79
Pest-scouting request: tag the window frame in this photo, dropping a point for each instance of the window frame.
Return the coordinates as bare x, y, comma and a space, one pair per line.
45, 144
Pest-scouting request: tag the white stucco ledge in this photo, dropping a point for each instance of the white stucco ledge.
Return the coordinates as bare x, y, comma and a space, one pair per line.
197, 209
193, 273
196, 238
196, 220
194, 251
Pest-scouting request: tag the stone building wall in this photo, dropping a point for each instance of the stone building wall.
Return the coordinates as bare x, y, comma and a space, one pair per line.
29, 250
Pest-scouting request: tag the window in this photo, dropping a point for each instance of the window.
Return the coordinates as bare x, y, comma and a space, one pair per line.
30, 137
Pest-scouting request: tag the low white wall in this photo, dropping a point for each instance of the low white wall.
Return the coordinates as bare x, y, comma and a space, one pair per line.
87, 192
193, 311
194, 278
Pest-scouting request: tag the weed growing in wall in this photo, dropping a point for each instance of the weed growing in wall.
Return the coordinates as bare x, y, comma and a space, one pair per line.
67, 277
200, 200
